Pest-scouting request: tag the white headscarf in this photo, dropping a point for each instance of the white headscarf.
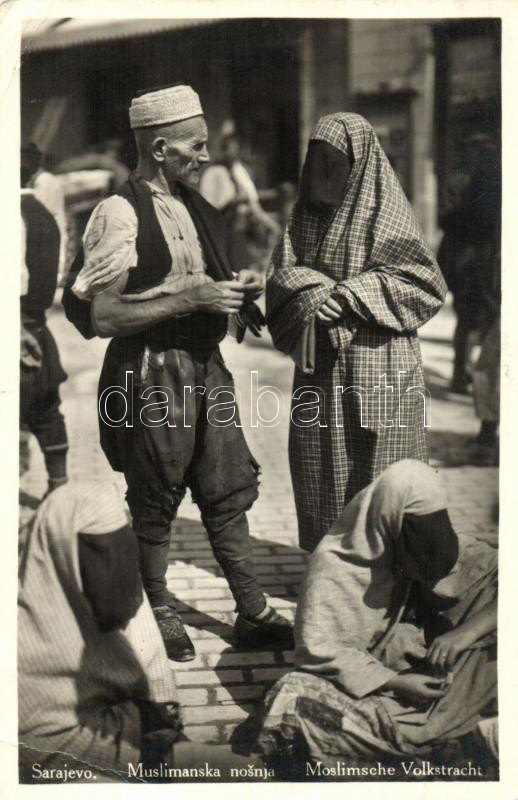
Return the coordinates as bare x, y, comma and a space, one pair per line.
76, 685
351, 594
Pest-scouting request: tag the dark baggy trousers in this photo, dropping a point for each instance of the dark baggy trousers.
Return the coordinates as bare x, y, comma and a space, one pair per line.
185, 434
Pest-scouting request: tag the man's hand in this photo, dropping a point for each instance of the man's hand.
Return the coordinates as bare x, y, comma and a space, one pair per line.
30, 350
218, 297
252, 318
419, 689
329, 312
253, 283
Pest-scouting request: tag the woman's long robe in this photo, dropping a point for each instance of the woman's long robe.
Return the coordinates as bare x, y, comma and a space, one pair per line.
369, 255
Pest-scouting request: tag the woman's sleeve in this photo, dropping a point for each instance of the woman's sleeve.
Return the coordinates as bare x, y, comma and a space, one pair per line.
109, 566
353, 669
402, 291
332, 630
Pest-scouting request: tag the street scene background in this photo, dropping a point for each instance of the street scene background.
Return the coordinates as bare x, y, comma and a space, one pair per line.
426, 86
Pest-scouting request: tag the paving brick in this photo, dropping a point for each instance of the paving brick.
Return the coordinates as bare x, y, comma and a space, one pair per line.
280, 603
193, 697
215, 605
199, 662
197, 556
211, 714
240, 659
236, 693
192, 544
211, 632
179, 583
204, 594
212, 645
276, 559
209, 582
209, 677
260, 675
204, 733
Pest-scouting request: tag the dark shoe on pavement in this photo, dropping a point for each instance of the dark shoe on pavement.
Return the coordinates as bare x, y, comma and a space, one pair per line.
178, 645
269, 631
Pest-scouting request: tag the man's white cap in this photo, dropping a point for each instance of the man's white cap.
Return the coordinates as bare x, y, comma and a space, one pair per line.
164, 106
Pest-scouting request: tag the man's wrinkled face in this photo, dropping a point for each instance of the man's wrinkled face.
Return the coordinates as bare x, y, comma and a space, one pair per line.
185, 151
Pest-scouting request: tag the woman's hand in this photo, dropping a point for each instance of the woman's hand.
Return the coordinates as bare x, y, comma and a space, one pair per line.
445, 649
419, 689
329, 312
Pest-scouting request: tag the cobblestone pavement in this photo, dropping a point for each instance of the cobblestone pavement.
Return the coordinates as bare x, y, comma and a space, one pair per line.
221, 686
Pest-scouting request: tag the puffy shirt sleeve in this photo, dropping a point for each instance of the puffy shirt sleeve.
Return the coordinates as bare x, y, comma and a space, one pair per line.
109, 244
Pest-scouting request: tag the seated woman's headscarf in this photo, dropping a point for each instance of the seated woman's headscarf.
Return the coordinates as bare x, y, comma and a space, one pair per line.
395, 531
79, 680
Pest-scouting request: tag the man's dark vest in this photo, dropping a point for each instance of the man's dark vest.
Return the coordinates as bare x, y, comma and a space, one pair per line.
194, 331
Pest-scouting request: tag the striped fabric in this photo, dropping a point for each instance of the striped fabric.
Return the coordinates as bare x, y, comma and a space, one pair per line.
389, 284
76, 686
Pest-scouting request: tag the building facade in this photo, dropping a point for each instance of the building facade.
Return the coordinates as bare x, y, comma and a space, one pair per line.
421, 83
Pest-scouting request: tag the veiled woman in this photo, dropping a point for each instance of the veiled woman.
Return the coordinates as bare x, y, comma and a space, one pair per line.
353, 280
395, 632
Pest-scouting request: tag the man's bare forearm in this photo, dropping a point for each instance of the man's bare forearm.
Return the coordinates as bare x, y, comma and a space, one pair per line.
112, 317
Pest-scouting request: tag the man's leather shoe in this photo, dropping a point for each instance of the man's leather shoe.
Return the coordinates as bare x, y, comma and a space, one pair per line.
178, 645
271, 631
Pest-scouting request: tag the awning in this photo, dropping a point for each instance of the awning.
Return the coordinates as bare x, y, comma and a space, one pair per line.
56, 34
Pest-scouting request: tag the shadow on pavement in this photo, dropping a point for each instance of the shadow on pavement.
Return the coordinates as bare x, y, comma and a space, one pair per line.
447, 448
277, 583
439, 388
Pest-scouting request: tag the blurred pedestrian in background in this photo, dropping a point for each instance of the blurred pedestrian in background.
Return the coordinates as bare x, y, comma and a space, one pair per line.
106, 156
40, 368
49, 190
229, 187
467, 253
486, 381
353, 280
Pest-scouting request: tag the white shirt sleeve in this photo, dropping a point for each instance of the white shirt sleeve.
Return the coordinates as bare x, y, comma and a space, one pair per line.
109, 244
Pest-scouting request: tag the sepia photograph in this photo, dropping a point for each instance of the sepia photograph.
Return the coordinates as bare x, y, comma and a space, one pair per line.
259, 399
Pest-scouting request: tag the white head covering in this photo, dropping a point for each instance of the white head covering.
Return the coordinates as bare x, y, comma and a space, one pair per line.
352, 596
76, 684
350, 584
164, 106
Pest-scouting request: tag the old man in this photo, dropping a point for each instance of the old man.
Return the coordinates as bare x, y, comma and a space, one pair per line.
156, 275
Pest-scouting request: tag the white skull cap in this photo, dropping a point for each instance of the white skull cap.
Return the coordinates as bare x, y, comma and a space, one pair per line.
164, 106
